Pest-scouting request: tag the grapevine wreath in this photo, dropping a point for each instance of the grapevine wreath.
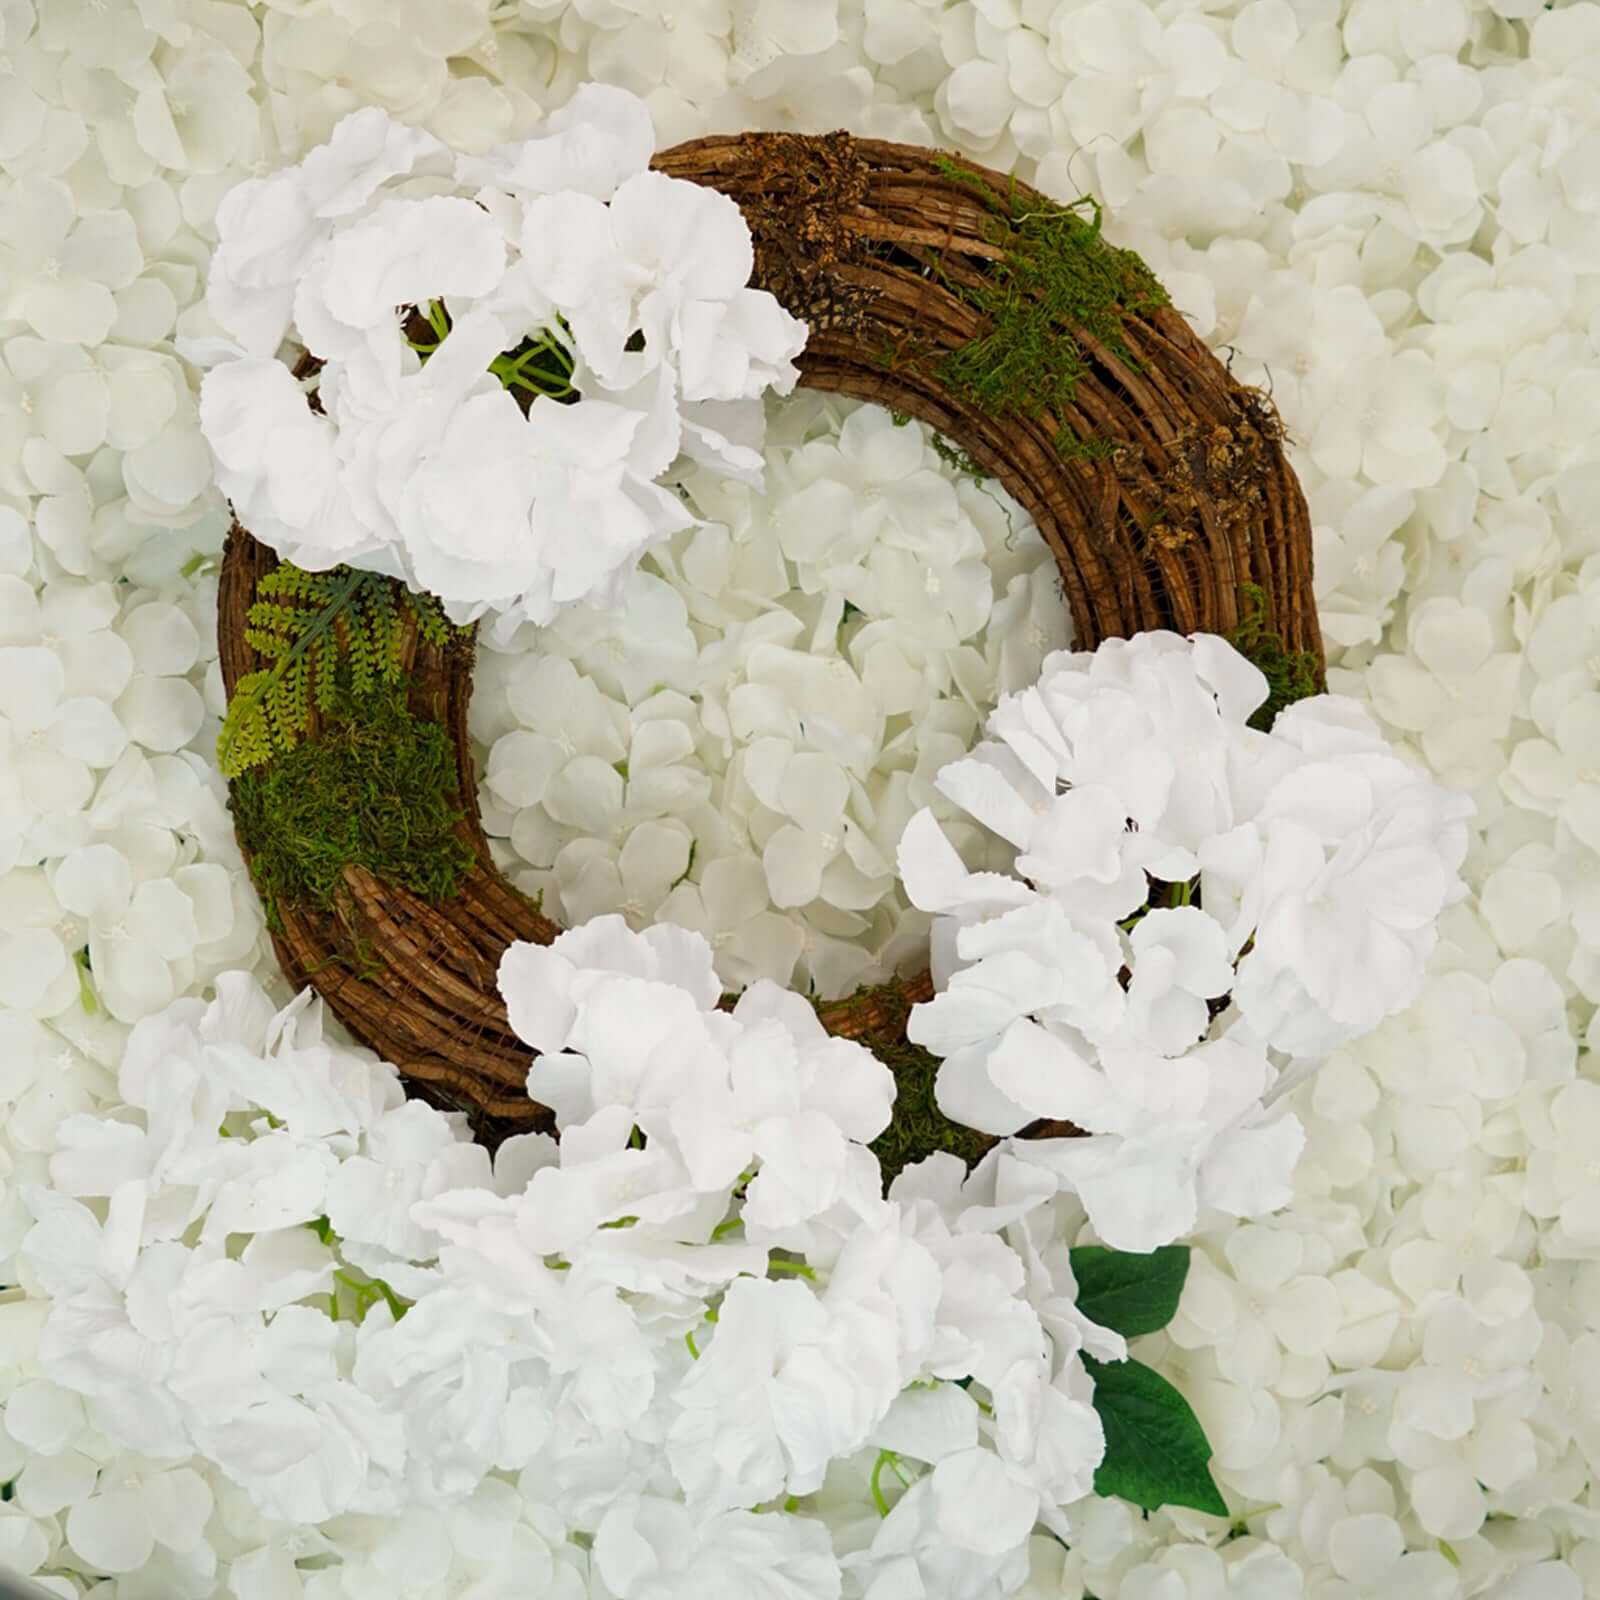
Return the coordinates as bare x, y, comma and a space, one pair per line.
1042, 354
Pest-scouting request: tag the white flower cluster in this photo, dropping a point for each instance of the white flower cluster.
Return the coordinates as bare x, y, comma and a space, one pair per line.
616, 296
699, 1302
738, 748
242, 1126
1193, 900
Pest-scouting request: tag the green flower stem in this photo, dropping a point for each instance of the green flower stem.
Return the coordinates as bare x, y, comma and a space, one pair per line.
86, 994
543, 365
366, 1295
886, 1458
798, 1268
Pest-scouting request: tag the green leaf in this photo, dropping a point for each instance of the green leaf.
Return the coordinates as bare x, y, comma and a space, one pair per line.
1156, 1451
1128, 1293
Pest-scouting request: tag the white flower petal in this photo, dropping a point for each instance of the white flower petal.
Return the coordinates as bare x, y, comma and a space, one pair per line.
111, 1532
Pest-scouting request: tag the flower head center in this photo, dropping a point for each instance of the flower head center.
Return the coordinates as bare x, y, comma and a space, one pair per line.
50, 270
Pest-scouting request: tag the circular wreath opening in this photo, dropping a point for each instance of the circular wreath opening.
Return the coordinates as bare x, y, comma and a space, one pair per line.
1048, 359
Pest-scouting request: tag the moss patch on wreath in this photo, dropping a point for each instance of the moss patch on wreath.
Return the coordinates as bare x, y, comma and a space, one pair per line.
377, 788
1058, 276
917, 1127
1291, 674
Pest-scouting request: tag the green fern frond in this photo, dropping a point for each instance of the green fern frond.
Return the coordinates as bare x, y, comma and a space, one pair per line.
248, 732
325, 673
302, 588
432, 626
266, 643
320, 633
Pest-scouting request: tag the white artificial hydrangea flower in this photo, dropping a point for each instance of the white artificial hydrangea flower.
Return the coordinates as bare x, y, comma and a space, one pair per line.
665, 1105
430, 469
241, 1120
1297, 878
631, 1039
268, 1258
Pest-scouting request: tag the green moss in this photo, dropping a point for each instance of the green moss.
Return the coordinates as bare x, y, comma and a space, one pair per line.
954, 455
377, 789
917, 1128
1058, 275
1291, 674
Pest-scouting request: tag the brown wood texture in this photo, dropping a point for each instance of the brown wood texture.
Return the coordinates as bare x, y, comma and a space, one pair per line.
845, 230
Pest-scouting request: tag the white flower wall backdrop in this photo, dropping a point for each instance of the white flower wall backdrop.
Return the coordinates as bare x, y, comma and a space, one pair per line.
1386, 212
780, 686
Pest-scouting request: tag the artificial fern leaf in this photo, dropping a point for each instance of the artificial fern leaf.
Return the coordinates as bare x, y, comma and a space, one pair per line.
325, 672
432, 625
361, 656
251, 733
266, 643
320, 632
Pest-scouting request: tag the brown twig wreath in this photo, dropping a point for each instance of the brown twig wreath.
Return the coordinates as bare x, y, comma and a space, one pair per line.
1043, 355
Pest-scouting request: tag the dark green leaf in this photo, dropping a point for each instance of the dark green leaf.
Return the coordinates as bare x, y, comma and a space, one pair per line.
1156, 1450
1130, 1293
